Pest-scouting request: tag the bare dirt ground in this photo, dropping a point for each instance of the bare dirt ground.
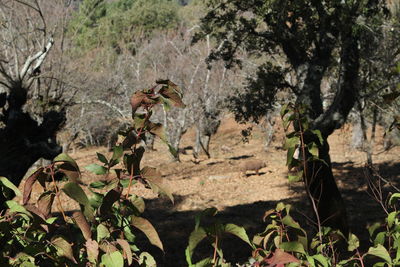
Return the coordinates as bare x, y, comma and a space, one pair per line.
243, 199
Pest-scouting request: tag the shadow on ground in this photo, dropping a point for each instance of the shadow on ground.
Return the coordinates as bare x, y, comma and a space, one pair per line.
174, 227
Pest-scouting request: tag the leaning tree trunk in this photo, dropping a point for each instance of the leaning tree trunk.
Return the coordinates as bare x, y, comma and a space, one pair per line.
323, 188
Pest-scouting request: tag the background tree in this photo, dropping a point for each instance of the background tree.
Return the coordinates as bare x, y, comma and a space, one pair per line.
307, 38
31, 97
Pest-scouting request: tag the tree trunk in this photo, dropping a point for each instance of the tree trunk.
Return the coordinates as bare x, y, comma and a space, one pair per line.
324, 191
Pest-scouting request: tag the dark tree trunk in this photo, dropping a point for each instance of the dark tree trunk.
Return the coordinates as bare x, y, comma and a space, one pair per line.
23, 140
319, 177
324, 191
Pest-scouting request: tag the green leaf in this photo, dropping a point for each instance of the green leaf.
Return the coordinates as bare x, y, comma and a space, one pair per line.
319, 135
98, 185
14, 207
102, 158
64, 249
194, 239
138, 202
321, 259
147, 228
394, 198
66, 158
289, 156
391, 218
96, 169
239, 232
139, 120
296, 178
292, 247
172, 150
125, 182
113, 259
102, 232
353, 242
292, 142
381, 252
207, 262
145, 259
8, 184
380, 238
313, 149
373, 228
284, 110
117, 152
75, 192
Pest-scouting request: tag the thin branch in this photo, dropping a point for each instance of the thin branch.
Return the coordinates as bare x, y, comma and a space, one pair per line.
39, 57
102, 102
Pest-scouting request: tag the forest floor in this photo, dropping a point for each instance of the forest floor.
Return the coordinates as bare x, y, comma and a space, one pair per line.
243, 199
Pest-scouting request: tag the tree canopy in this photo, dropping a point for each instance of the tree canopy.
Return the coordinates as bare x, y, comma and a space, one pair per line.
301, 43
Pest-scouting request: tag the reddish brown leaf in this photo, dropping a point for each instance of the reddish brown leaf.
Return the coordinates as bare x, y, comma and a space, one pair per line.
130, 140
280, 258
64, 248
154, 179
29, 184
45, 202
108, 247
127, 250
71, 172
148, 229
136, 100
109, 199
174, 94
82, 223
92, 249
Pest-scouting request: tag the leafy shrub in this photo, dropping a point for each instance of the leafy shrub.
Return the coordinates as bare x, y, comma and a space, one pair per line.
102, 231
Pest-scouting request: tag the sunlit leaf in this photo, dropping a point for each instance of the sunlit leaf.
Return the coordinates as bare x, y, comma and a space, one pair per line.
113, 259
8, 184
64, 248
145, 259
194, 239
92, 249
148, 229
82, 223
126, 249
154, 179
353, 242
381, 252
96, 169
239, 232
292, 247
102, 232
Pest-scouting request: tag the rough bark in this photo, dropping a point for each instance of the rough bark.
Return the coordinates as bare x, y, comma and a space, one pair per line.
319, 178
23, 140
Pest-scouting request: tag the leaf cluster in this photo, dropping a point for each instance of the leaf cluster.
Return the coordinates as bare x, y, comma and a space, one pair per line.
102, 232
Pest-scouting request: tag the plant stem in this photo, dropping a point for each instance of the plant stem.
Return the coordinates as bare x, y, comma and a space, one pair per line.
57, 193
215, 251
